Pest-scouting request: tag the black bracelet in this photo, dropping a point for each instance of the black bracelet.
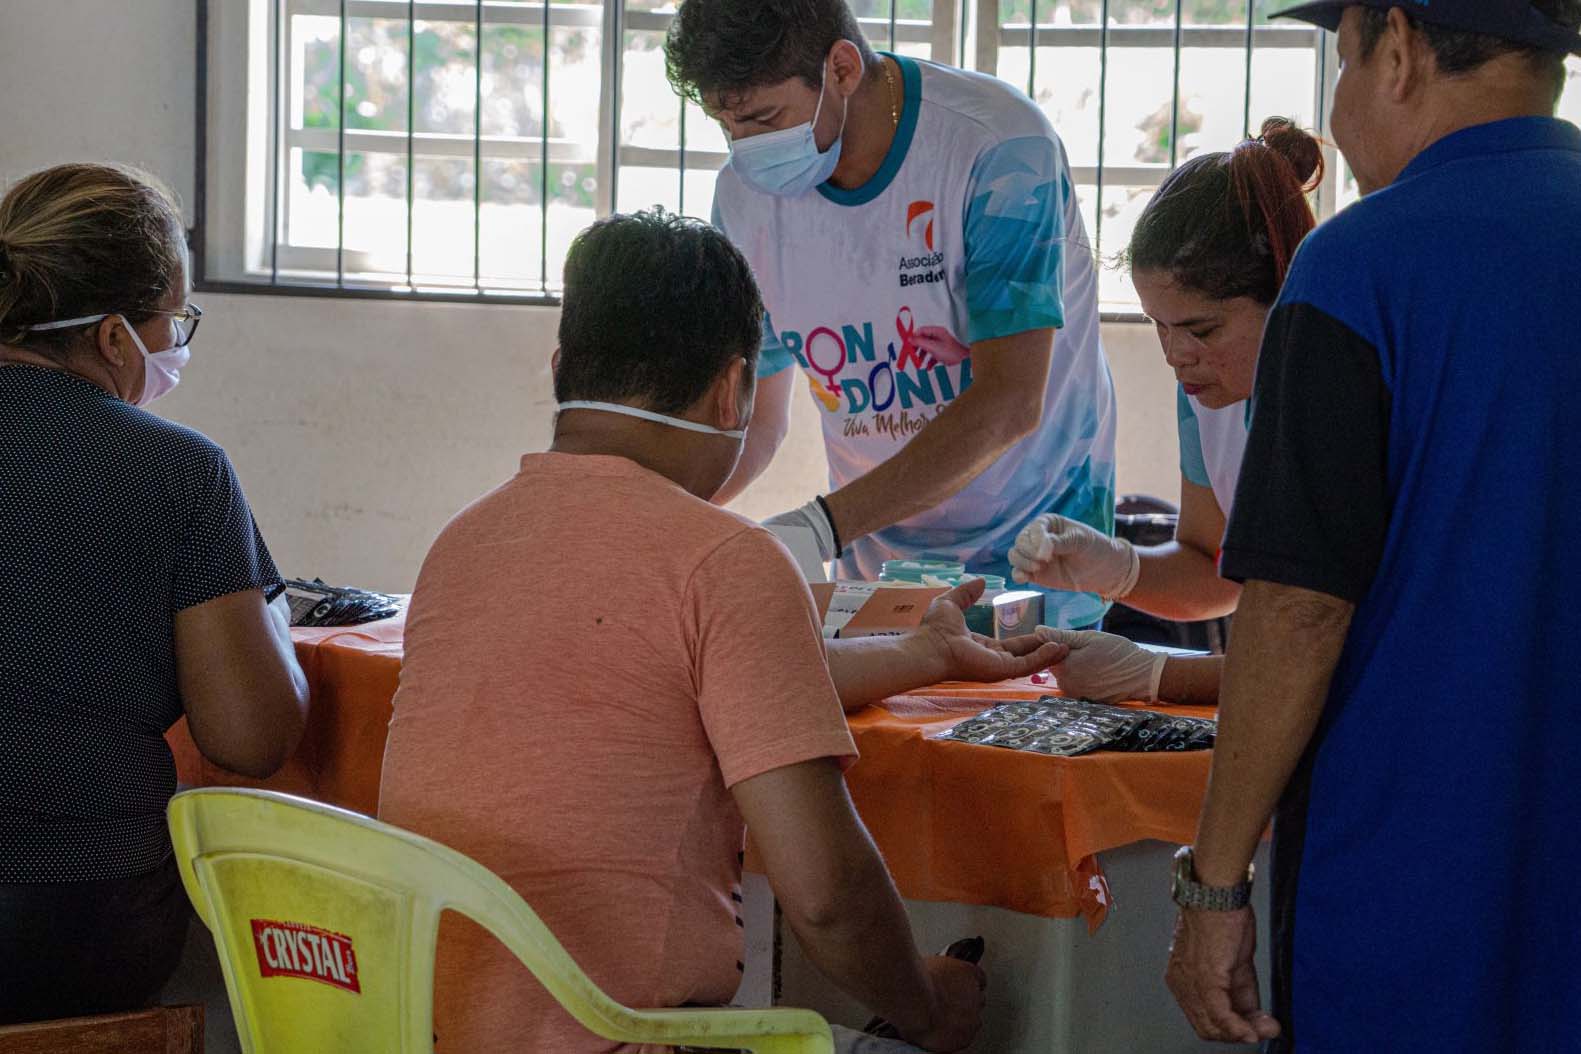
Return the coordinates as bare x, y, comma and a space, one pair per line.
834, 531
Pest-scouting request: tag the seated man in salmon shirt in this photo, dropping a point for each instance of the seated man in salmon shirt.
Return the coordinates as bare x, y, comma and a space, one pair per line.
607, 679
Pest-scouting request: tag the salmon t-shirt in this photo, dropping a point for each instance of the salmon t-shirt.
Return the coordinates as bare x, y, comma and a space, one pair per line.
593, 658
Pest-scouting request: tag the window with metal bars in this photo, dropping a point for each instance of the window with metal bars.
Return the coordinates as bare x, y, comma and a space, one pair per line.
1135, 87
451, 149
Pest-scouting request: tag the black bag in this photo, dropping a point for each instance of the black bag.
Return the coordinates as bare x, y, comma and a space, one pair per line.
316, 604
1145, 520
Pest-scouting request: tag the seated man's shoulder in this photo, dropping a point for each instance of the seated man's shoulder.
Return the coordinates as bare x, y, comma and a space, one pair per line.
728, 536
644, 517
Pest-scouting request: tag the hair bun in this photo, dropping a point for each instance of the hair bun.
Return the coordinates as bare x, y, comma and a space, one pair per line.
1297, 146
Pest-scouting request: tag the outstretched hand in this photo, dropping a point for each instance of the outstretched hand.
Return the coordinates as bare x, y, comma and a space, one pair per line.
969, 656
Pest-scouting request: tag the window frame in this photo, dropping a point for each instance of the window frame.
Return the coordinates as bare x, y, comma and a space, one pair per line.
254, 157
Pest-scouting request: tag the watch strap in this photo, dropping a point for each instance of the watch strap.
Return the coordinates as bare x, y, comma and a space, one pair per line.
1189, 893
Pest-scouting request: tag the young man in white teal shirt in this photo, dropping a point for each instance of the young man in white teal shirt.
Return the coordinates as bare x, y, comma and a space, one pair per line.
925, 267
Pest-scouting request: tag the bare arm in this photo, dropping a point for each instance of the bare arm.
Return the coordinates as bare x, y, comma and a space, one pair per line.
765, 433
245, 695
1191, 680
1286, 644
1003, 405
1180, 579
870, 669
842, 905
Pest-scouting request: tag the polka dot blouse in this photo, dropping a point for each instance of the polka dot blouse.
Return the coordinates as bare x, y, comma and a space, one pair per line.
111, 521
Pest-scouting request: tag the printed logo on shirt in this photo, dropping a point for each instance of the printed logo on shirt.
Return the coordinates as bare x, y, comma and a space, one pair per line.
893, 393
916, 211
292, 949
921, 268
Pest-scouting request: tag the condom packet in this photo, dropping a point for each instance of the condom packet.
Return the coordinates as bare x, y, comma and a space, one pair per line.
317, 604
1062, 727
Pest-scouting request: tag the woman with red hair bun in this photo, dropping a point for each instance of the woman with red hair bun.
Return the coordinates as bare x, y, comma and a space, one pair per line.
1208, 258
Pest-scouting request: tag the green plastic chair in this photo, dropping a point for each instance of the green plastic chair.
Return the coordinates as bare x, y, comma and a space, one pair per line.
326, 923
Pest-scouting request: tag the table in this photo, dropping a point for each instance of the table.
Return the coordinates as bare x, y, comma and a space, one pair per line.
957, 823
1032, 852
353, 673
974, 825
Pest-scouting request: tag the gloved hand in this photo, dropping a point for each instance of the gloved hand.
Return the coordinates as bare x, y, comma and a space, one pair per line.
1105, 668
1057, 552
815, 518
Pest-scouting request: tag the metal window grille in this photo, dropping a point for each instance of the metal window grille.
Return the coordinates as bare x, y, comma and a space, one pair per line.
1226, 52
383, 174
421, 148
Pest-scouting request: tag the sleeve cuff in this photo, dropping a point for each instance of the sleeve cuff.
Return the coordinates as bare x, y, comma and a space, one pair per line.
790, 752
991, 325
1244, 565
774, 360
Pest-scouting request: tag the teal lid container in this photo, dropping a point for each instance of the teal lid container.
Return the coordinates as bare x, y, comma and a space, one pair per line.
991, 583
913, 570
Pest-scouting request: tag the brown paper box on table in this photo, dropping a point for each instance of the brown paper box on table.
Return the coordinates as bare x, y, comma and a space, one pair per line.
862, 609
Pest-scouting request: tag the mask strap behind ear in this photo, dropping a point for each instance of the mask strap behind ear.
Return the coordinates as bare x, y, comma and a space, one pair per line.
66, 323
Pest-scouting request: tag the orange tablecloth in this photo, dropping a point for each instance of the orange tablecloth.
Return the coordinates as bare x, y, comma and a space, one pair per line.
353, 672
956, 822
982, 825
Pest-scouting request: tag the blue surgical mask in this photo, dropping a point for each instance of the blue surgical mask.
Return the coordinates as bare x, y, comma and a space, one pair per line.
649, 415
787, 162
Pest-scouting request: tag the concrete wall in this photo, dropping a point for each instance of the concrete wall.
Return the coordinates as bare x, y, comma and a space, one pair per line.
359, 427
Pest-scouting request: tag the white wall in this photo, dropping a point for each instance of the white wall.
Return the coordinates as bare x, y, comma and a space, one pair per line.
358, 427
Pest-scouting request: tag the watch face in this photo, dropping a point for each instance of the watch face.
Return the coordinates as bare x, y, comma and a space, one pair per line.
1182, 877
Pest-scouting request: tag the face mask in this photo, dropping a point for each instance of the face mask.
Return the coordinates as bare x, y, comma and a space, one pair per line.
161, 370
648, 415
787, 162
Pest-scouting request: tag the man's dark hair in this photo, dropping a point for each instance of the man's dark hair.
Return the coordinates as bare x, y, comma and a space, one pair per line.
656, 306
718, 49
1459, 52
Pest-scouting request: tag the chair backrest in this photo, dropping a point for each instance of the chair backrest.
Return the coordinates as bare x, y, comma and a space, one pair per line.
326, 923
162, 1030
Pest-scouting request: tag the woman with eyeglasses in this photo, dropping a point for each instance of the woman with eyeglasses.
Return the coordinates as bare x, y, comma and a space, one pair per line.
134, 589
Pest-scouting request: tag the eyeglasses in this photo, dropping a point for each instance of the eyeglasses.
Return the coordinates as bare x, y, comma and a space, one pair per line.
186, 321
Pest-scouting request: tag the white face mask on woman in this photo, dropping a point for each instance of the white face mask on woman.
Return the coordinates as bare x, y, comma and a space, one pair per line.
161, 369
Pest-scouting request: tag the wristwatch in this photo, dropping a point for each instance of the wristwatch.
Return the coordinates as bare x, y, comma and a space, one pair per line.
1189, 893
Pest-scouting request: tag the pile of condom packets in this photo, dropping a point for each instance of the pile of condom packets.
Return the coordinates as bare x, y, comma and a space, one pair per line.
1072, 727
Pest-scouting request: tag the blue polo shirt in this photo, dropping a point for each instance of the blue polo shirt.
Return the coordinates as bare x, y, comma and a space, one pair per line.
1412, 451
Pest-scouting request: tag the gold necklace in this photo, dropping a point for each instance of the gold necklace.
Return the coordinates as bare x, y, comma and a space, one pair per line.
894, 107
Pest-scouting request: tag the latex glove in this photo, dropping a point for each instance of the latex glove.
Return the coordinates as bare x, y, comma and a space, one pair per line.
1104, 667
812, 517
1057, 552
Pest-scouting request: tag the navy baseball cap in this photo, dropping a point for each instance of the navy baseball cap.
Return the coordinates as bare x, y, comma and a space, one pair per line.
1516, 21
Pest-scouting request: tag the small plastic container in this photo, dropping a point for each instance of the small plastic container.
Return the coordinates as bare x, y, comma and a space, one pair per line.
912, 571
991, 583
